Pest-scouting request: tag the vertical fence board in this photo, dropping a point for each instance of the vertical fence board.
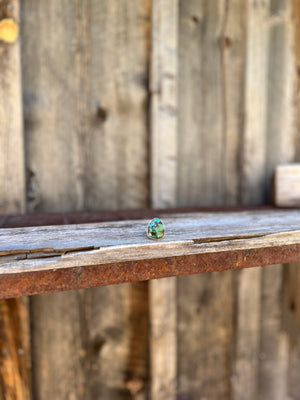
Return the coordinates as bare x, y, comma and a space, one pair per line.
116, 177
115, 81
272, 373
291, 325
201, 107
54, 183
291, 281
12, 182
280, 149
85, 97
14, 318
254, 137
245, 381
15, 382
211, 88
50, 106
233, 43
164, 117
164, 109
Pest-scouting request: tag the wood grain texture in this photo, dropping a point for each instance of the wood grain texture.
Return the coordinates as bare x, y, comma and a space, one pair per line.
164, 153
115, 138
12, 182
291, 327
273, 354
53, 182
253, 167
85, 97
163, 320
15, 379
291, 272
212, 48
121, 333
105, 242
200, 101
280, 137
255, 103
234, 63
291, 300
287, 185
280, 130
164, 99
116, 176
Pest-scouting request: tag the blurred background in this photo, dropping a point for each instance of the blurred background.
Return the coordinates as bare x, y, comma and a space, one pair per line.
127, 104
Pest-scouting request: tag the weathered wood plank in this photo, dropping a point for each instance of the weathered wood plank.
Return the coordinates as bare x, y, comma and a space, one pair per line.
164, 107
55, 249
291, 327
255, 103
12, 189
273, 353
252, 179
12, 182
274, 342
212, 49
291, 299
15, 379
291, 272
51, 117
233, 69
163, 180
287, 185
200, 103
163, 322
114, 137
115, 241
280, 129
85, 95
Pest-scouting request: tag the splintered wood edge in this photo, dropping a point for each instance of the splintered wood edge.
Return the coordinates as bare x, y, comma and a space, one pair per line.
52, 247
118, 252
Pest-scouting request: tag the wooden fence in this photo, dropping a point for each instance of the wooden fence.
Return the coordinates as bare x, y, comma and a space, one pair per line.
124, 104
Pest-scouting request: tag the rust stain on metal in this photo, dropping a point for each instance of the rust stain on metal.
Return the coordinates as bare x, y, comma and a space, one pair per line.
102, 275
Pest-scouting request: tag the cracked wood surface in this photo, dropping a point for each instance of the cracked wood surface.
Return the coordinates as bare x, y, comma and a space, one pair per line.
51, 248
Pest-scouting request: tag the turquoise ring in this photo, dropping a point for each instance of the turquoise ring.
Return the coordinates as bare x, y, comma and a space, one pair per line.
156, 229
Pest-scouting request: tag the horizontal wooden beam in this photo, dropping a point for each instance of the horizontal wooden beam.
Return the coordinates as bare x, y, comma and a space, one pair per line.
55, 258
81, 217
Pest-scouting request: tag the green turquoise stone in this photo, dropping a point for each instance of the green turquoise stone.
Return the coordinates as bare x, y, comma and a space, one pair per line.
156, 229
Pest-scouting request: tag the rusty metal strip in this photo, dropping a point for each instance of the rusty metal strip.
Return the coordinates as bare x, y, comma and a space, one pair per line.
101, 275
